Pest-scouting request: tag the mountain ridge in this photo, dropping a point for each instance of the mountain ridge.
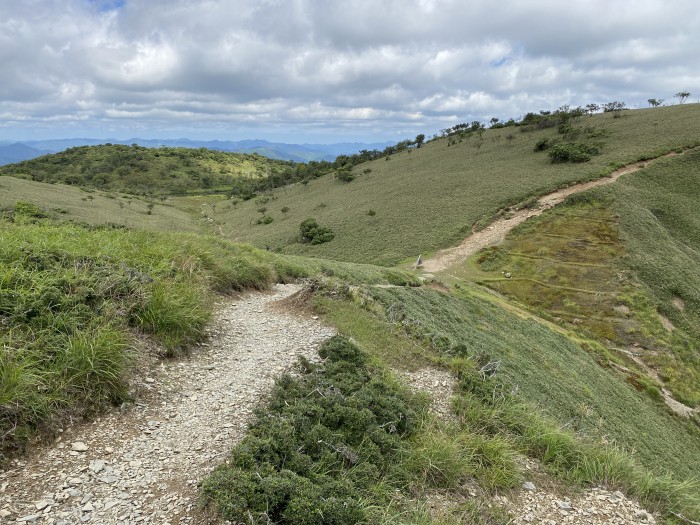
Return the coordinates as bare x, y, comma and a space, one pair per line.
306, 152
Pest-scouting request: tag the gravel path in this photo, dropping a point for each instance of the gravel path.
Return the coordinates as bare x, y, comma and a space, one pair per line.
143, 464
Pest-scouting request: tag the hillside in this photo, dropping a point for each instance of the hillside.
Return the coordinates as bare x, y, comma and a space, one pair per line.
428, 198
616, 264
273, 150
556, 354
139, 170
96, 207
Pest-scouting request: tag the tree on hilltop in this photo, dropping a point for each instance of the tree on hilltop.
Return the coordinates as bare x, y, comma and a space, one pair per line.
592, 108
655, 102
682, 96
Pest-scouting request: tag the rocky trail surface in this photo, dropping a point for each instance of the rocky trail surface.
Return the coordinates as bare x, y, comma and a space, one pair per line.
143, 464
496, 232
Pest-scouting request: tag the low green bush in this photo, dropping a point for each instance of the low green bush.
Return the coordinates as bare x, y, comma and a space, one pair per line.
572, 152
311, 232
316, 451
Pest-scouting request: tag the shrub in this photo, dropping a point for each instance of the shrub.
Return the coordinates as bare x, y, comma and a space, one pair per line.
344, 175
311, 232
265, 219
319, 447
543, 144
572, 152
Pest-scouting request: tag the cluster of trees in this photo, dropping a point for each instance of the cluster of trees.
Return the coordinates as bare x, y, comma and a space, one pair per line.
147, 171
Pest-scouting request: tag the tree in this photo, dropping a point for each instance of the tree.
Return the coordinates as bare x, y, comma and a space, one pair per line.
655, 102
682, 96
614, 107
419, 140
285, 210
494, 121
592, 108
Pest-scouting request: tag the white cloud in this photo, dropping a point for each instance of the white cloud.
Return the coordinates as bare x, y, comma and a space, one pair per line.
383, 67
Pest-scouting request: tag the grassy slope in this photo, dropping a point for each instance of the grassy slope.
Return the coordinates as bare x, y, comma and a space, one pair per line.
95, 207
660, 226
631, 249
551, 372
135, 169
431, 197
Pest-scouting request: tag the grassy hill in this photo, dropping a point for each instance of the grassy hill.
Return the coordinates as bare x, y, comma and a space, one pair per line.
147, 171
96, 207
429, 198
544, 366
618, 264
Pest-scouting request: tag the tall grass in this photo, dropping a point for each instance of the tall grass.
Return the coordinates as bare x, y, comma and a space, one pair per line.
549, 370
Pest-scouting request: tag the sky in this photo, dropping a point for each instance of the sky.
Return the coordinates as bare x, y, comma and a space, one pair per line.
329, 71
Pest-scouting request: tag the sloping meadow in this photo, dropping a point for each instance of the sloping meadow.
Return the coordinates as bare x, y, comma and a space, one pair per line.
549, 370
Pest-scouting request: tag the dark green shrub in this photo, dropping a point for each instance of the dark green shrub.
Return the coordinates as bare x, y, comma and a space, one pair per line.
572, 152
344, 175
265, 219
311, 232
322, 443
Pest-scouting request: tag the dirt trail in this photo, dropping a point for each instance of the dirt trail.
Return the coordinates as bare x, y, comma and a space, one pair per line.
497, 230
143, 464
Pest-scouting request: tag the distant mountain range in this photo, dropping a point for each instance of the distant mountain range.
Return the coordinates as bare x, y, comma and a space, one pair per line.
11, 152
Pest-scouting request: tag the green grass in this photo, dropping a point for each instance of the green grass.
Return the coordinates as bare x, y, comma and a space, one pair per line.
634, 248
660, 228
430, 198
549, 371
95, 207
71, 298
344, 442
495, 425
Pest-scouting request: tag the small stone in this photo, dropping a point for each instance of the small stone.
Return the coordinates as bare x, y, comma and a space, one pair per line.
88, 507
528, 485
109, 479
150, 380
4, 513
30, 517
97, 466
563, 505
43, 504
78, 446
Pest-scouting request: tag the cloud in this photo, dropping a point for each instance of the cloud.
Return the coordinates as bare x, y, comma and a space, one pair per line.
232, 68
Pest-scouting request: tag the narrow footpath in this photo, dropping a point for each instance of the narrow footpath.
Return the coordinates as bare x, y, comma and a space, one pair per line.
496, 232
143, 464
